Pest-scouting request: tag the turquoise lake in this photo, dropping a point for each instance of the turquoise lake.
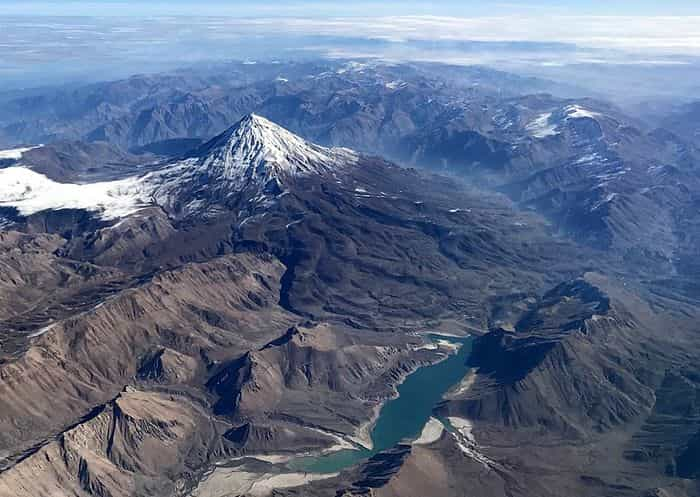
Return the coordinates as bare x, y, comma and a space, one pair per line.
404, 417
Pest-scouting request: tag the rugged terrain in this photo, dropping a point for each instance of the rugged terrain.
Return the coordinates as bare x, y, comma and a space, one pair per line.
605, 178
172, 304
256, 276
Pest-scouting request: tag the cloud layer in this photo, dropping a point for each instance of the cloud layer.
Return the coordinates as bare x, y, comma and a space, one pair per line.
668, 34
36, 47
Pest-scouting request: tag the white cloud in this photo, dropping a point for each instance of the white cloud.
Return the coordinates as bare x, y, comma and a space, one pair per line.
52, 49
667, 34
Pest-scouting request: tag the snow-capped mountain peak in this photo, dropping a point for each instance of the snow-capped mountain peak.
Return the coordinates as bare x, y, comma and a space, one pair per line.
257, 149
253, 154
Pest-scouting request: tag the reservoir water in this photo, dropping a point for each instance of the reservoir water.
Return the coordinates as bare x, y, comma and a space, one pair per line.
403, 417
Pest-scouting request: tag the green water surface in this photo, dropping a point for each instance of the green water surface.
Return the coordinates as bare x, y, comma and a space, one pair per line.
401, 418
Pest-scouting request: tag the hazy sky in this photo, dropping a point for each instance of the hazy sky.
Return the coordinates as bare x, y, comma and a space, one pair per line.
346, 8
42, 41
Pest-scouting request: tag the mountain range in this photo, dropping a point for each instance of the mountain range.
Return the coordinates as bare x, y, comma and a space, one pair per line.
593, 171
172, 304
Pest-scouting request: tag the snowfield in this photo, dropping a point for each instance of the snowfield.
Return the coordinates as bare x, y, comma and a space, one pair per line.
577, 112
16, 153
30, 192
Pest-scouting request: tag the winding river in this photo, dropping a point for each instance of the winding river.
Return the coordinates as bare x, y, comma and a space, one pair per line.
403, 417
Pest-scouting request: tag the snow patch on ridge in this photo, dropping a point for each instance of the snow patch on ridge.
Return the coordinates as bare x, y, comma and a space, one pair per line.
540, 127
608, 198
466, 442
577, 112
395, 85
16, 153
588, 159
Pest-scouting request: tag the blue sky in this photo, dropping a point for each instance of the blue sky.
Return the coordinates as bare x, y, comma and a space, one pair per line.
350, 8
